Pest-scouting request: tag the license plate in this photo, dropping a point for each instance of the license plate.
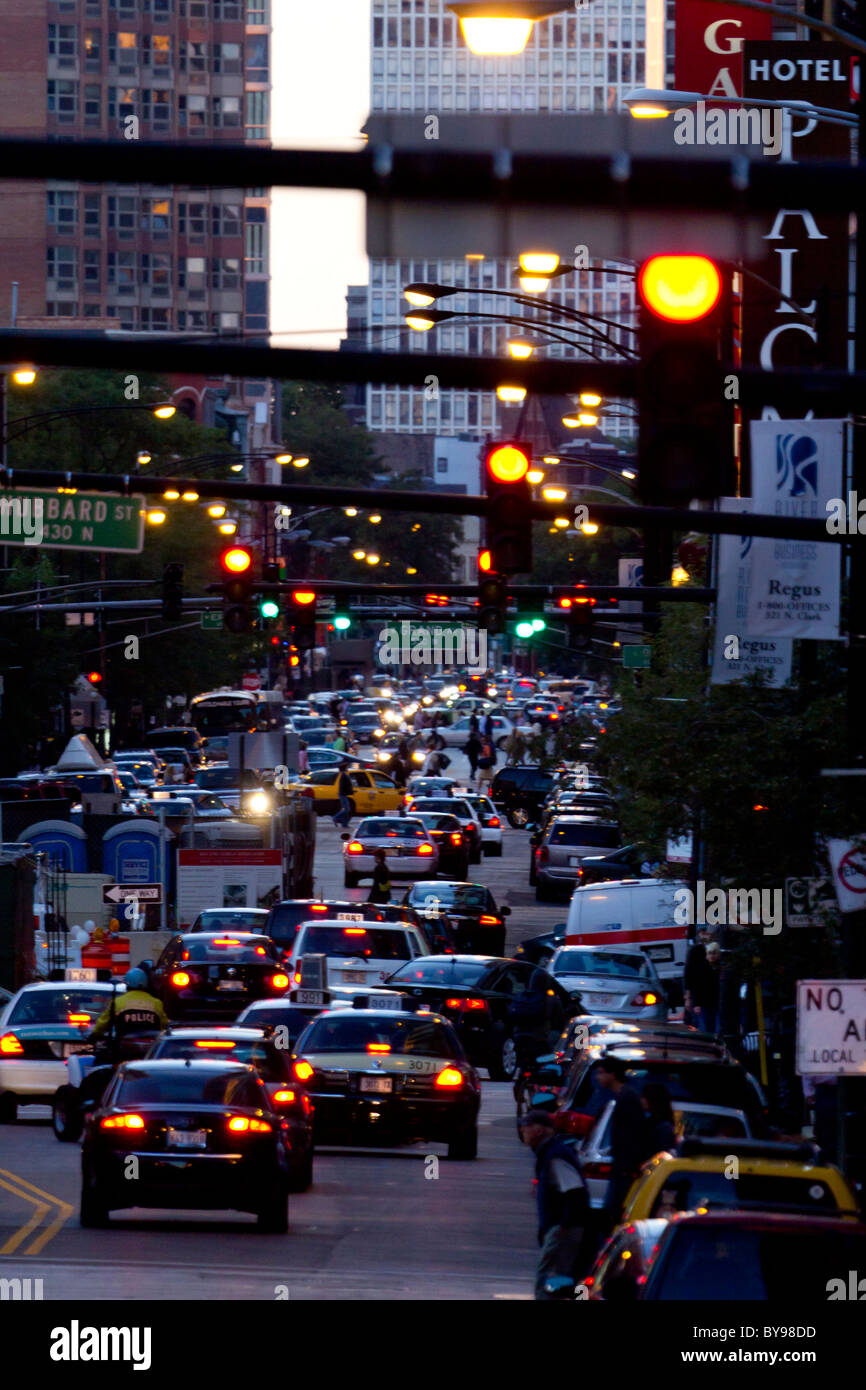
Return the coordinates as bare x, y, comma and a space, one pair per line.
74, 1049
660, 952
353, 977
231, 984
380, 1085
599, 998
387, 1001
311, 996
82, 975
574, 861
350, 916
187, 1138
393, 849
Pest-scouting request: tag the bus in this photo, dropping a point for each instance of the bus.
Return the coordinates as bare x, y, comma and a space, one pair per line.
220, 712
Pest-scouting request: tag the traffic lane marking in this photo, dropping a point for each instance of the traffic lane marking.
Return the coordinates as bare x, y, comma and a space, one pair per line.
43, 1202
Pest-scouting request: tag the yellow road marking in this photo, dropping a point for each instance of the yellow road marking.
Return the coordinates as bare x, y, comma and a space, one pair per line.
42, 1204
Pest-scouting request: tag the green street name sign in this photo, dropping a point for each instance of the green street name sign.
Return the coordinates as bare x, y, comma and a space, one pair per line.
72, 520
636, 656
212, 621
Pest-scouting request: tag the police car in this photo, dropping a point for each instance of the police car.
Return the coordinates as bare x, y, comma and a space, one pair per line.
40, 1028
388, 1075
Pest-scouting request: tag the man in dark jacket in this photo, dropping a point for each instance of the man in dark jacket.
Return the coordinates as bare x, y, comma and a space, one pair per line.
344, 791
628, 1134
563, 1205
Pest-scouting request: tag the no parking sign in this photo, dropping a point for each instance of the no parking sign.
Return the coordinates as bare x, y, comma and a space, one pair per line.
848, 861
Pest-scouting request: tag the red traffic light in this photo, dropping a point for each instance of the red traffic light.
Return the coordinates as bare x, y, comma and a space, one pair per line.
303, 597
680, 289
507, 463
565, 603
236, 560
94, 677
485, 561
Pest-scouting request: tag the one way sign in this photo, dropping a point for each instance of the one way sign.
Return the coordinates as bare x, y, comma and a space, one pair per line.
122, 892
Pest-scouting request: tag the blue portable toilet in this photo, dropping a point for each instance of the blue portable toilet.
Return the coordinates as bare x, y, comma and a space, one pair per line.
62, 842
130, 851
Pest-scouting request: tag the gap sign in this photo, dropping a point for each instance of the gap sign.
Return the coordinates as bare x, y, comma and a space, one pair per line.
73, 520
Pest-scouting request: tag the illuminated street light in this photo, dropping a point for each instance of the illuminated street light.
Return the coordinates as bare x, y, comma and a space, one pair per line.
587, 418
350, 511
551, 460
164, 411
535, 476
189, 496
561, 522
571, 422
511, 394
359, 554
236, 468
171, 494
589, 528
375, 518
554, 494
538, 262
411, 570
300, 462
24, 376
629, 473
142, 458
227, 528
501, 28
156, 518
520, 348
372, 559
282, 459
589, 398
216, 511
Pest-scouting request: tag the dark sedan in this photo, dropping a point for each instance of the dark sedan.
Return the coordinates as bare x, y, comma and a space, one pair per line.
255, 1047
493, 1003
470, 908
453, 841
215, 974
204, 1135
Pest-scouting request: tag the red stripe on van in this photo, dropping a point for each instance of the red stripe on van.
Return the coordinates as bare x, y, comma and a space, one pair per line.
610, 938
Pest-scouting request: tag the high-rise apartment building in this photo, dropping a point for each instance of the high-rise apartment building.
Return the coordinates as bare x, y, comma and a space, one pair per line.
142, 258
579, 62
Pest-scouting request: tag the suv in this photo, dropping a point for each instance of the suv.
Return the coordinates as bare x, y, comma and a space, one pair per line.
521, 791
563, 845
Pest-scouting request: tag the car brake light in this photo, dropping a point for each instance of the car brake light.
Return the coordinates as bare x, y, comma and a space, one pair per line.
378, 1047
542, 854
456, 837
10, 1046
646, 997
354, 931
354, 847
453, 1003
240, 1124
78, 1018
284, 1097
493, 823
487, 920
212, 1044
474, 1004
280, 981
180, 979
450, 1077
122, 1122
260, 951
425, 849
303, 1071
318, 907
226, 941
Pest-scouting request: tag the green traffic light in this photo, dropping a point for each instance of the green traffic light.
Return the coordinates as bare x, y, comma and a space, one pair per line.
342, 622
524, 629
269, 608
538, 624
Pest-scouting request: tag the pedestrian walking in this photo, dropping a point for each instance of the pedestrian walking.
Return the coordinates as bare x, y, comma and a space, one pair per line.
628, 1136
563, 1205
473, 750
486, 763
695, 965
344, 792
705, 989
380, 892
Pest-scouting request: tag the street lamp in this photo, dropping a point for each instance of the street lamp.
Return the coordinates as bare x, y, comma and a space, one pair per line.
300, 462
501, 28
217, 511
520, 348
652, 102
24, 376
156, 517
511, 395
142, 458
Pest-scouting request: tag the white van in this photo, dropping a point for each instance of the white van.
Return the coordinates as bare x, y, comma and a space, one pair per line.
636, 911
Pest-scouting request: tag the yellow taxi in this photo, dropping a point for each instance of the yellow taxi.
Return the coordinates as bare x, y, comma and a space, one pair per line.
739, 1174
372, 792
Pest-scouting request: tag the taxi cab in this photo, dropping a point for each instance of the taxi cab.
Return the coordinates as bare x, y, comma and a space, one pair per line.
40, 1028
388, 1076
766, 1175
372, 792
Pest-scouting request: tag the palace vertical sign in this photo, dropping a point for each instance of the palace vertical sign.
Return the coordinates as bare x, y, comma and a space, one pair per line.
806, 256
709, 46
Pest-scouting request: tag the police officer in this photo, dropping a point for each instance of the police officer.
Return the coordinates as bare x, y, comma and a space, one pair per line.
129, 1014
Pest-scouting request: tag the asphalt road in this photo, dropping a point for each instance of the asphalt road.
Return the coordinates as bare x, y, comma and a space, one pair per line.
384, 1224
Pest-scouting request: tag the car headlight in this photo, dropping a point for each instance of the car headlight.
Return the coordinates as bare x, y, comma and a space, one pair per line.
418, 756
378, 733
383, 756
258, 803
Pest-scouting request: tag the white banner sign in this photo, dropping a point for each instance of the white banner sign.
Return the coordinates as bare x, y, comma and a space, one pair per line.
796, 470
737, 654
831, 1027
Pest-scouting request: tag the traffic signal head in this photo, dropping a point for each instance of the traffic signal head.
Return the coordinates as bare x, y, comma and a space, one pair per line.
342, 622
509, 517
237, 564
580, 623
302, 608
492, 601
686, 421
172, 593
269, 608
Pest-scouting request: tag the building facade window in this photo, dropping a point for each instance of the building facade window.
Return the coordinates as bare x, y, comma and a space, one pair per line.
226, 112
92, 272
92, 103
63, 44
257, 57
227, 57
192, 220
255, 248
123, 214
122, 271
62, 210
62, 268
92, 214
257, 108
63, 99
226, 219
